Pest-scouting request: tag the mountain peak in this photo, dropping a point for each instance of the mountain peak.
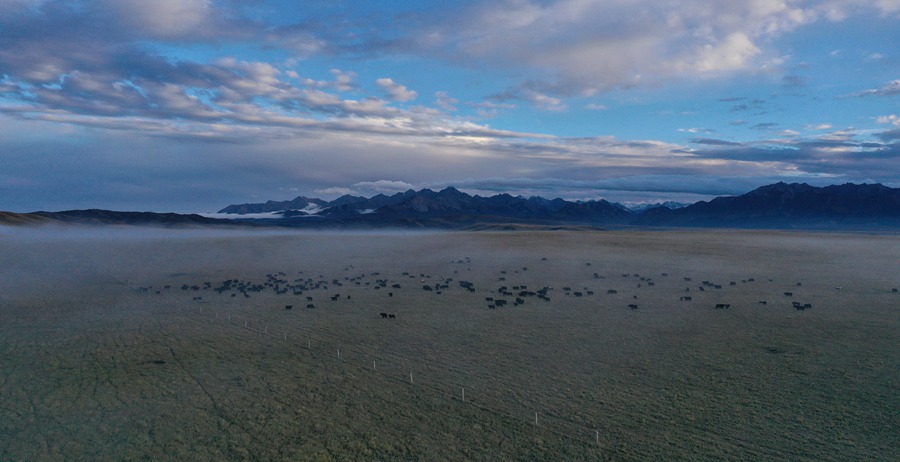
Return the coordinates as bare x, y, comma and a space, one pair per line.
778, 205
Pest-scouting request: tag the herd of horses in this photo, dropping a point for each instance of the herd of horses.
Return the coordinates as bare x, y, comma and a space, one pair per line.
502, 296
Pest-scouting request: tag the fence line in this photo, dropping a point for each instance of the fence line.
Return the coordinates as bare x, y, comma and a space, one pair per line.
391, 366
323, 345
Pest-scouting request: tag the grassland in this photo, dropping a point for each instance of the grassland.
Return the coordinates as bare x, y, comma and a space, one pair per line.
116, 345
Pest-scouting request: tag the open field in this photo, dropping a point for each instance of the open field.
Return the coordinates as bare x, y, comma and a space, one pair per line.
177, 345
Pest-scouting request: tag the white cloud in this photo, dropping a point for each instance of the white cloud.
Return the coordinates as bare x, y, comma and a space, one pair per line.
335, 191
818, 127
734, 52
889, 119
544, 102
582, 47
343, 81
395, 91
589, 46
889, 88
839, 10
383, 186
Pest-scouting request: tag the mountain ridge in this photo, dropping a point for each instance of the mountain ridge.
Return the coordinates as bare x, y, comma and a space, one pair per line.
776, 206
783, 205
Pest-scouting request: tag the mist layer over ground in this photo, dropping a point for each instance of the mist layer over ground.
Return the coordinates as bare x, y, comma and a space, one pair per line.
178, 345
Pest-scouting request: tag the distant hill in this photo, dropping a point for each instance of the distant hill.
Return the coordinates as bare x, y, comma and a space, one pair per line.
796, 205
106, 217
21, 219
778, 206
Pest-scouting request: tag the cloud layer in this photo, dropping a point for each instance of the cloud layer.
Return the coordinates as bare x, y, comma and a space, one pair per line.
212, 100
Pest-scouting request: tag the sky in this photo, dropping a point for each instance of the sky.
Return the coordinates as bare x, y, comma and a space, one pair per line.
192, 105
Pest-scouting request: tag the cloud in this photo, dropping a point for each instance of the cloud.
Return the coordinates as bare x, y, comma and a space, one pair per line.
580, 48
538, 99
733, 52
888, 89
714, 142
696, 130
838, 156
444, 101
584, 47
395, 91
891, 136
343, 81
164, 19
793, 81
818, 127
335, 191
641, 188
383, 186
889, 119
137, 80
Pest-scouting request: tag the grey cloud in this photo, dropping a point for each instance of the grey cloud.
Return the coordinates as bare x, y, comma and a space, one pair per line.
793, 81
624, 188
752, 154
714, 142
889, 135
765, 126
832, 156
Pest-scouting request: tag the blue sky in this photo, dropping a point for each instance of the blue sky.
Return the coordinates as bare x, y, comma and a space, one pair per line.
192, 105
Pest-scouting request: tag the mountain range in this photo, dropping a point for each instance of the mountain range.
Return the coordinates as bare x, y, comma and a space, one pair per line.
778, 206
448, 206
